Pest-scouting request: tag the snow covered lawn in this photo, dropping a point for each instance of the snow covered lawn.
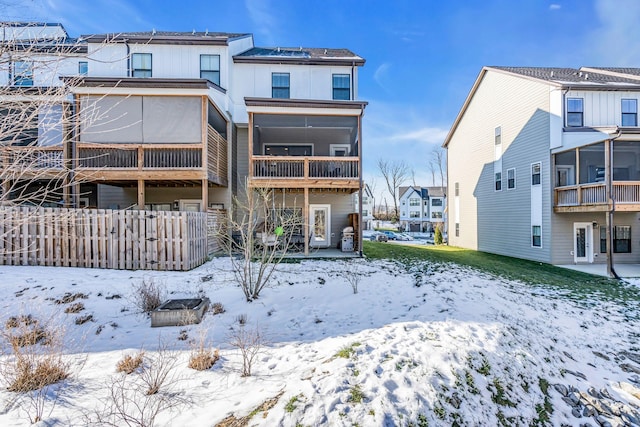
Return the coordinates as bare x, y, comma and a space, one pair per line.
430, 344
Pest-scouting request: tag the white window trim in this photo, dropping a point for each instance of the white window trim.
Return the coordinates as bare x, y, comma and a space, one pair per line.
531, 174
495, 181
334, 147
531, 239
515, 183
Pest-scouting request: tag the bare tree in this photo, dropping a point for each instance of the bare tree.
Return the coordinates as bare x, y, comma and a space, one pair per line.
439, 162
258, 236
373, 186
395, 174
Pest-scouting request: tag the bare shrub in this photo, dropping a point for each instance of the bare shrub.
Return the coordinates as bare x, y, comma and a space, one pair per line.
202, 356
69, 298
217, 308
148, 295
241, 319
129, 363
34, 361
74, 308
136, 400
352, 274
250, 342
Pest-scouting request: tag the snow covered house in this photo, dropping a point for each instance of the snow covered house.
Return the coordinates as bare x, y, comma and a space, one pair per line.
185, 121
544, 164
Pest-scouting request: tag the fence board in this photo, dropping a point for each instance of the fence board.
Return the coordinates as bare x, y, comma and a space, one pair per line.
102, 238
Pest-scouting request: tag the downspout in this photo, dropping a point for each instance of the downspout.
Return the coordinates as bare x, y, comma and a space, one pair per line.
610, 209
353, 79
360, 225
126, 44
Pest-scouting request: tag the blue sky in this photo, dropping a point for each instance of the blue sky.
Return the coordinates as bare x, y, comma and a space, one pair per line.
422, 55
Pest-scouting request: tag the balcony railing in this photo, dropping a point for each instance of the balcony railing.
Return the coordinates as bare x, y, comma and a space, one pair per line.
296, 167
595, 194
32, 158
139, 156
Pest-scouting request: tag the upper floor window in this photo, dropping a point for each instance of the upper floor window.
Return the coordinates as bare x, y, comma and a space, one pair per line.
575, 112
22, 73
341, 87
141, 65
414, 214
498, 181
436, 202
511, 179
498, 136
457, 189
210, 68
414, 202
83, 68
280, 85
536, 172
436, 215
629, 112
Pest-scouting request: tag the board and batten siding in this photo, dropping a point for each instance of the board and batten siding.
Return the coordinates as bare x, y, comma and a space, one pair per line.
602, 108
500, 221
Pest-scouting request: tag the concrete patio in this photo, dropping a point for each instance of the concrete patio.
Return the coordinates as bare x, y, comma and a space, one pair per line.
623, 270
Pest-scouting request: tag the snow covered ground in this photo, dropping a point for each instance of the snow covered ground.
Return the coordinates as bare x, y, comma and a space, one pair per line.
427, 344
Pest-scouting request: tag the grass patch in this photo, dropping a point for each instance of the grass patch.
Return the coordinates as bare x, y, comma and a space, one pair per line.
499, 396
576, 285
356, 393
291, 404
348, 351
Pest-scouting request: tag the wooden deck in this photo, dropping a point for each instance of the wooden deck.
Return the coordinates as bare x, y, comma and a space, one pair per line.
305, 172
625, 196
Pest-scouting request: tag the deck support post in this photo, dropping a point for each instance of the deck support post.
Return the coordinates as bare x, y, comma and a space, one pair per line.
305, 215
141, 195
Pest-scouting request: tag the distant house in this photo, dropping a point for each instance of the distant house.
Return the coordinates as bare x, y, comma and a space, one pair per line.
368, 204
421, 208
544, 164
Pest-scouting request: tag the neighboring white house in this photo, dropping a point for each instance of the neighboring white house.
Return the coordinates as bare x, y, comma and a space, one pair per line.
421, 208
185, 120
368, 204
544, 164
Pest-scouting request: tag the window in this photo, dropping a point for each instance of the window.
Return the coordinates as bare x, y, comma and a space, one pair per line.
622, 239
498, 136
141, 65
436, 202
83, 68
414, 214
22, 73
280, 85
536, 169
536, 236
498, 176
364, 212
629, 112
436, 215
210, 68
414, 202
426, 203
341, 87
457, 189
511, 179
575, 110
457, 229
365, 199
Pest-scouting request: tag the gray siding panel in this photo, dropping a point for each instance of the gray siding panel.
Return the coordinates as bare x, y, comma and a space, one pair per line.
500, 221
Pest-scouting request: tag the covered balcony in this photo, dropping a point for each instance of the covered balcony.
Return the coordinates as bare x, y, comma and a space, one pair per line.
305, 151
583, 174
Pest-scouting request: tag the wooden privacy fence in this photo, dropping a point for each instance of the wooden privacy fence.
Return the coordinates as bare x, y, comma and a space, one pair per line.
103, 238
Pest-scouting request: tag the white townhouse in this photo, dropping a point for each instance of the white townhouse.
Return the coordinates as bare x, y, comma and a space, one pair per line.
544, 164
368, 204
421, 208
188, 120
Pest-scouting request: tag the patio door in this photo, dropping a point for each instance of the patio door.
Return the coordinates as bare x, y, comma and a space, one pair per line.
582, 242
320, 222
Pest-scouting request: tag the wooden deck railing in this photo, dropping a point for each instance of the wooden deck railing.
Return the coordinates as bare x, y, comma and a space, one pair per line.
595, 194
140, 156
217, 158
35, 158
297, 167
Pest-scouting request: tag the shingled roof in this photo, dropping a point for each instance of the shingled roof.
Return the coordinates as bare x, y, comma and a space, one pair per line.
576, 76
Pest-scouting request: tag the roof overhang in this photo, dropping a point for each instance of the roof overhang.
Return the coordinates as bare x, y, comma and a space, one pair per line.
135, 85
163, 39
304, 106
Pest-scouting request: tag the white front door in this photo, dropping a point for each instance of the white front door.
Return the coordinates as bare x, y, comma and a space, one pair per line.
582, 242
320, 222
